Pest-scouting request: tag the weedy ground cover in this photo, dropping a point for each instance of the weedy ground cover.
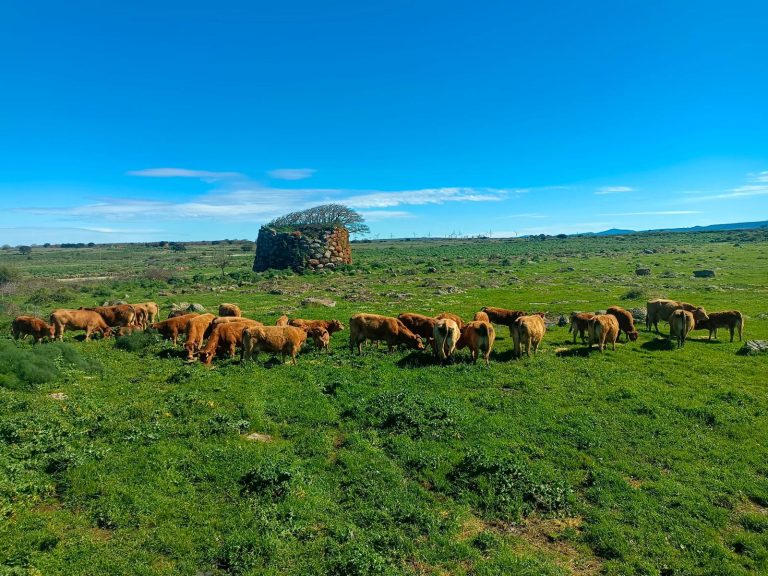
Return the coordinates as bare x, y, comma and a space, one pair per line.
118, 457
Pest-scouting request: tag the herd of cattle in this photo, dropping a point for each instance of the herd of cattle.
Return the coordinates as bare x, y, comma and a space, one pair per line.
208, 335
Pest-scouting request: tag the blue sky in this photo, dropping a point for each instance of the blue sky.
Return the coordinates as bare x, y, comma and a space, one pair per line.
199, 120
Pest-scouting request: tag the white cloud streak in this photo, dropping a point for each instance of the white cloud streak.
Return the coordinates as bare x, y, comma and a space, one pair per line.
425, 196
205, 175
613, 190
759, 177
292, 173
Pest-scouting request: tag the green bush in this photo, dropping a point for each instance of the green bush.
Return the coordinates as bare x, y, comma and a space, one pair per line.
136, 342
24, 368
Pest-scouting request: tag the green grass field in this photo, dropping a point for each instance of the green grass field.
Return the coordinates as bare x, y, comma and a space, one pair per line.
117, 457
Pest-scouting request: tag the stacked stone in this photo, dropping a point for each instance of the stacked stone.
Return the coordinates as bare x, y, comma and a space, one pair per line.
305, 248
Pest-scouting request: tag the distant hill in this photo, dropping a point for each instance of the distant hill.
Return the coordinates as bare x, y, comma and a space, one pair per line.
710, 228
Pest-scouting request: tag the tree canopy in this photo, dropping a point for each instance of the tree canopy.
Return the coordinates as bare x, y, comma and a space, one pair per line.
325, 215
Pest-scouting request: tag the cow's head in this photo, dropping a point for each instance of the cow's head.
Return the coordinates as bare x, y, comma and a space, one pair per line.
335, 326
632, 335
106, 333
51, 331
205, 357
699, 314
191, 349
414, 341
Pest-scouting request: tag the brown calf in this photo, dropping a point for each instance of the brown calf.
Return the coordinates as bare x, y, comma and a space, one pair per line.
626, 322
171, 328
661, 309
229, 310
87, 320
528, 330
224, 339
731, 319
23, 326
681, 322
196, 328
580, 324
502, 316
478, 336
273, 339
375, 327
603, 328
446, 335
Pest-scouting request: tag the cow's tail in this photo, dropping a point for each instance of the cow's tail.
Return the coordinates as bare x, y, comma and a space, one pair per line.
740, 325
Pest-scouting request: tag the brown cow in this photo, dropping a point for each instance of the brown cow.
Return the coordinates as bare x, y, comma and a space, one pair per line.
580, 324
478, 336
603, 328
231, 320
332, 326
481, 317
420, 325
119, 316
196, 328
451, 316
528, 330
502, 316
661, 309
87, 320
146, 313
171, 328
224, 339
35, 327
375, 327
626, 322
731, 319
446, 335
681, 322
273, 339
229, 310
282, 321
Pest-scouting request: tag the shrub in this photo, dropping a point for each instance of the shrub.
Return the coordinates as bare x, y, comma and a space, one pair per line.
136, 342
633, 294
501, 485
24, 368
271, 478
8, 274
407, 413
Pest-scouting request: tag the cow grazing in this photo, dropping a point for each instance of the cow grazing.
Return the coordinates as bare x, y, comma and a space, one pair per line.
502, 316
626, 322
230, 320
24, 326
146, 313
423, 326
87, 320
731, 319
320, 336
580, 324
229, 310
603, 328
171, 328
224, 339
481, 317
446, 334
661, 309
479, 337
120, 316
528, 331
332, 326
196, 328
681, 322
451, 316
283, 340
375, 327
282, 321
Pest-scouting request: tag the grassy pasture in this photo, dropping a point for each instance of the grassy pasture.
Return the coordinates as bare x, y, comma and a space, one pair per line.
117, 457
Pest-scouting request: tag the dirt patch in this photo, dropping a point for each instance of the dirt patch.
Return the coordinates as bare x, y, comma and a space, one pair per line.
634, 482
554, 537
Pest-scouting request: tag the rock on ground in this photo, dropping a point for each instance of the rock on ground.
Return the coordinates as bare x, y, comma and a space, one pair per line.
754, 347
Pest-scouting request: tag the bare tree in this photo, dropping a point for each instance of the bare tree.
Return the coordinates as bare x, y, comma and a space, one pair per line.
326, 214
222, 261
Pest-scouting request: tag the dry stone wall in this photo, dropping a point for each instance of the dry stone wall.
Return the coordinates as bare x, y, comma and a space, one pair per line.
303, 248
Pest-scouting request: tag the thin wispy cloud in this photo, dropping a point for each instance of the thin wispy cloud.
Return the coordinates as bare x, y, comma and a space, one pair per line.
614, 190
425, 196
653, 213
535, 215
759, 177
205, 175
379, 215
292, 173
